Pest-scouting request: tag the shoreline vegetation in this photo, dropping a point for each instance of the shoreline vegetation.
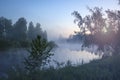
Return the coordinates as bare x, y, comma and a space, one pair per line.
103, 69
18, 34
94, 29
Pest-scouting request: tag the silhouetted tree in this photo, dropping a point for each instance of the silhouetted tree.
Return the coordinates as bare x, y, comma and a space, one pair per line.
1, 27
20, 29
31, 31
103, 31
34, 31
38, 30
18, 34
6, 27
39, 54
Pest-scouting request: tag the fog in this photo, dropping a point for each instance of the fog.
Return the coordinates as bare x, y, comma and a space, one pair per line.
72, 52
64, 52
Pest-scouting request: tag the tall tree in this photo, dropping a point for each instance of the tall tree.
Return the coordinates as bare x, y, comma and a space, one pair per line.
20, 29
40, 52
38, 30
6, 27
104, 31
31, 31
1, 27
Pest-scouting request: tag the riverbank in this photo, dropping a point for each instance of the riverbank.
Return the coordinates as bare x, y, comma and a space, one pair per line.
103, 69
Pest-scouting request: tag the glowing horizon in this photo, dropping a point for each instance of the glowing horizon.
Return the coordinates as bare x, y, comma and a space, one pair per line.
53, 15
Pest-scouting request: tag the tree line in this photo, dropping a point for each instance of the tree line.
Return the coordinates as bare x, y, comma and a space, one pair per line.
19, 32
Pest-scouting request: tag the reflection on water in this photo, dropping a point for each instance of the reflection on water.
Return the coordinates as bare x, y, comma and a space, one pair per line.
63, 53
72, 52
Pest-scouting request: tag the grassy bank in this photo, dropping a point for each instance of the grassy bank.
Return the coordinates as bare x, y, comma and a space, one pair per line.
104, 69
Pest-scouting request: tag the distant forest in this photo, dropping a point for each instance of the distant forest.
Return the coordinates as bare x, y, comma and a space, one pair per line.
18, 34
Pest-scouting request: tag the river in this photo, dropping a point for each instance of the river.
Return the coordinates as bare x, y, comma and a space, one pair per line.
64, 52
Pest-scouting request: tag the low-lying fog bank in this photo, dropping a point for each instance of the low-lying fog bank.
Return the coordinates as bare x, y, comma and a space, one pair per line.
64, 52
72, 52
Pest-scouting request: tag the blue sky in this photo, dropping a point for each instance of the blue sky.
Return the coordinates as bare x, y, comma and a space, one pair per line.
54, 15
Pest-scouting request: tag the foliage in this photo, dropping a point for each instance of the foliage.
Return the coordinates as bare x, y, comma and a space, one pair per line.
30, 32
40, 52
104, 69
20, 28
100, 30
5, 28
4, 44
17, 34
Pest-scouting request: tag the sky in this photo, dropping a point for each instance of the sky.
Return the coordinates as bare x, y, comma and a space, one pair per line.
53, 15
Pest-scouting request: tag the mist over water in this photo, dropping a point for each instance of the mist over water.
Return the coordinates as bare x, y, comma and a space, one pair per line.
64, 52
72, 52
